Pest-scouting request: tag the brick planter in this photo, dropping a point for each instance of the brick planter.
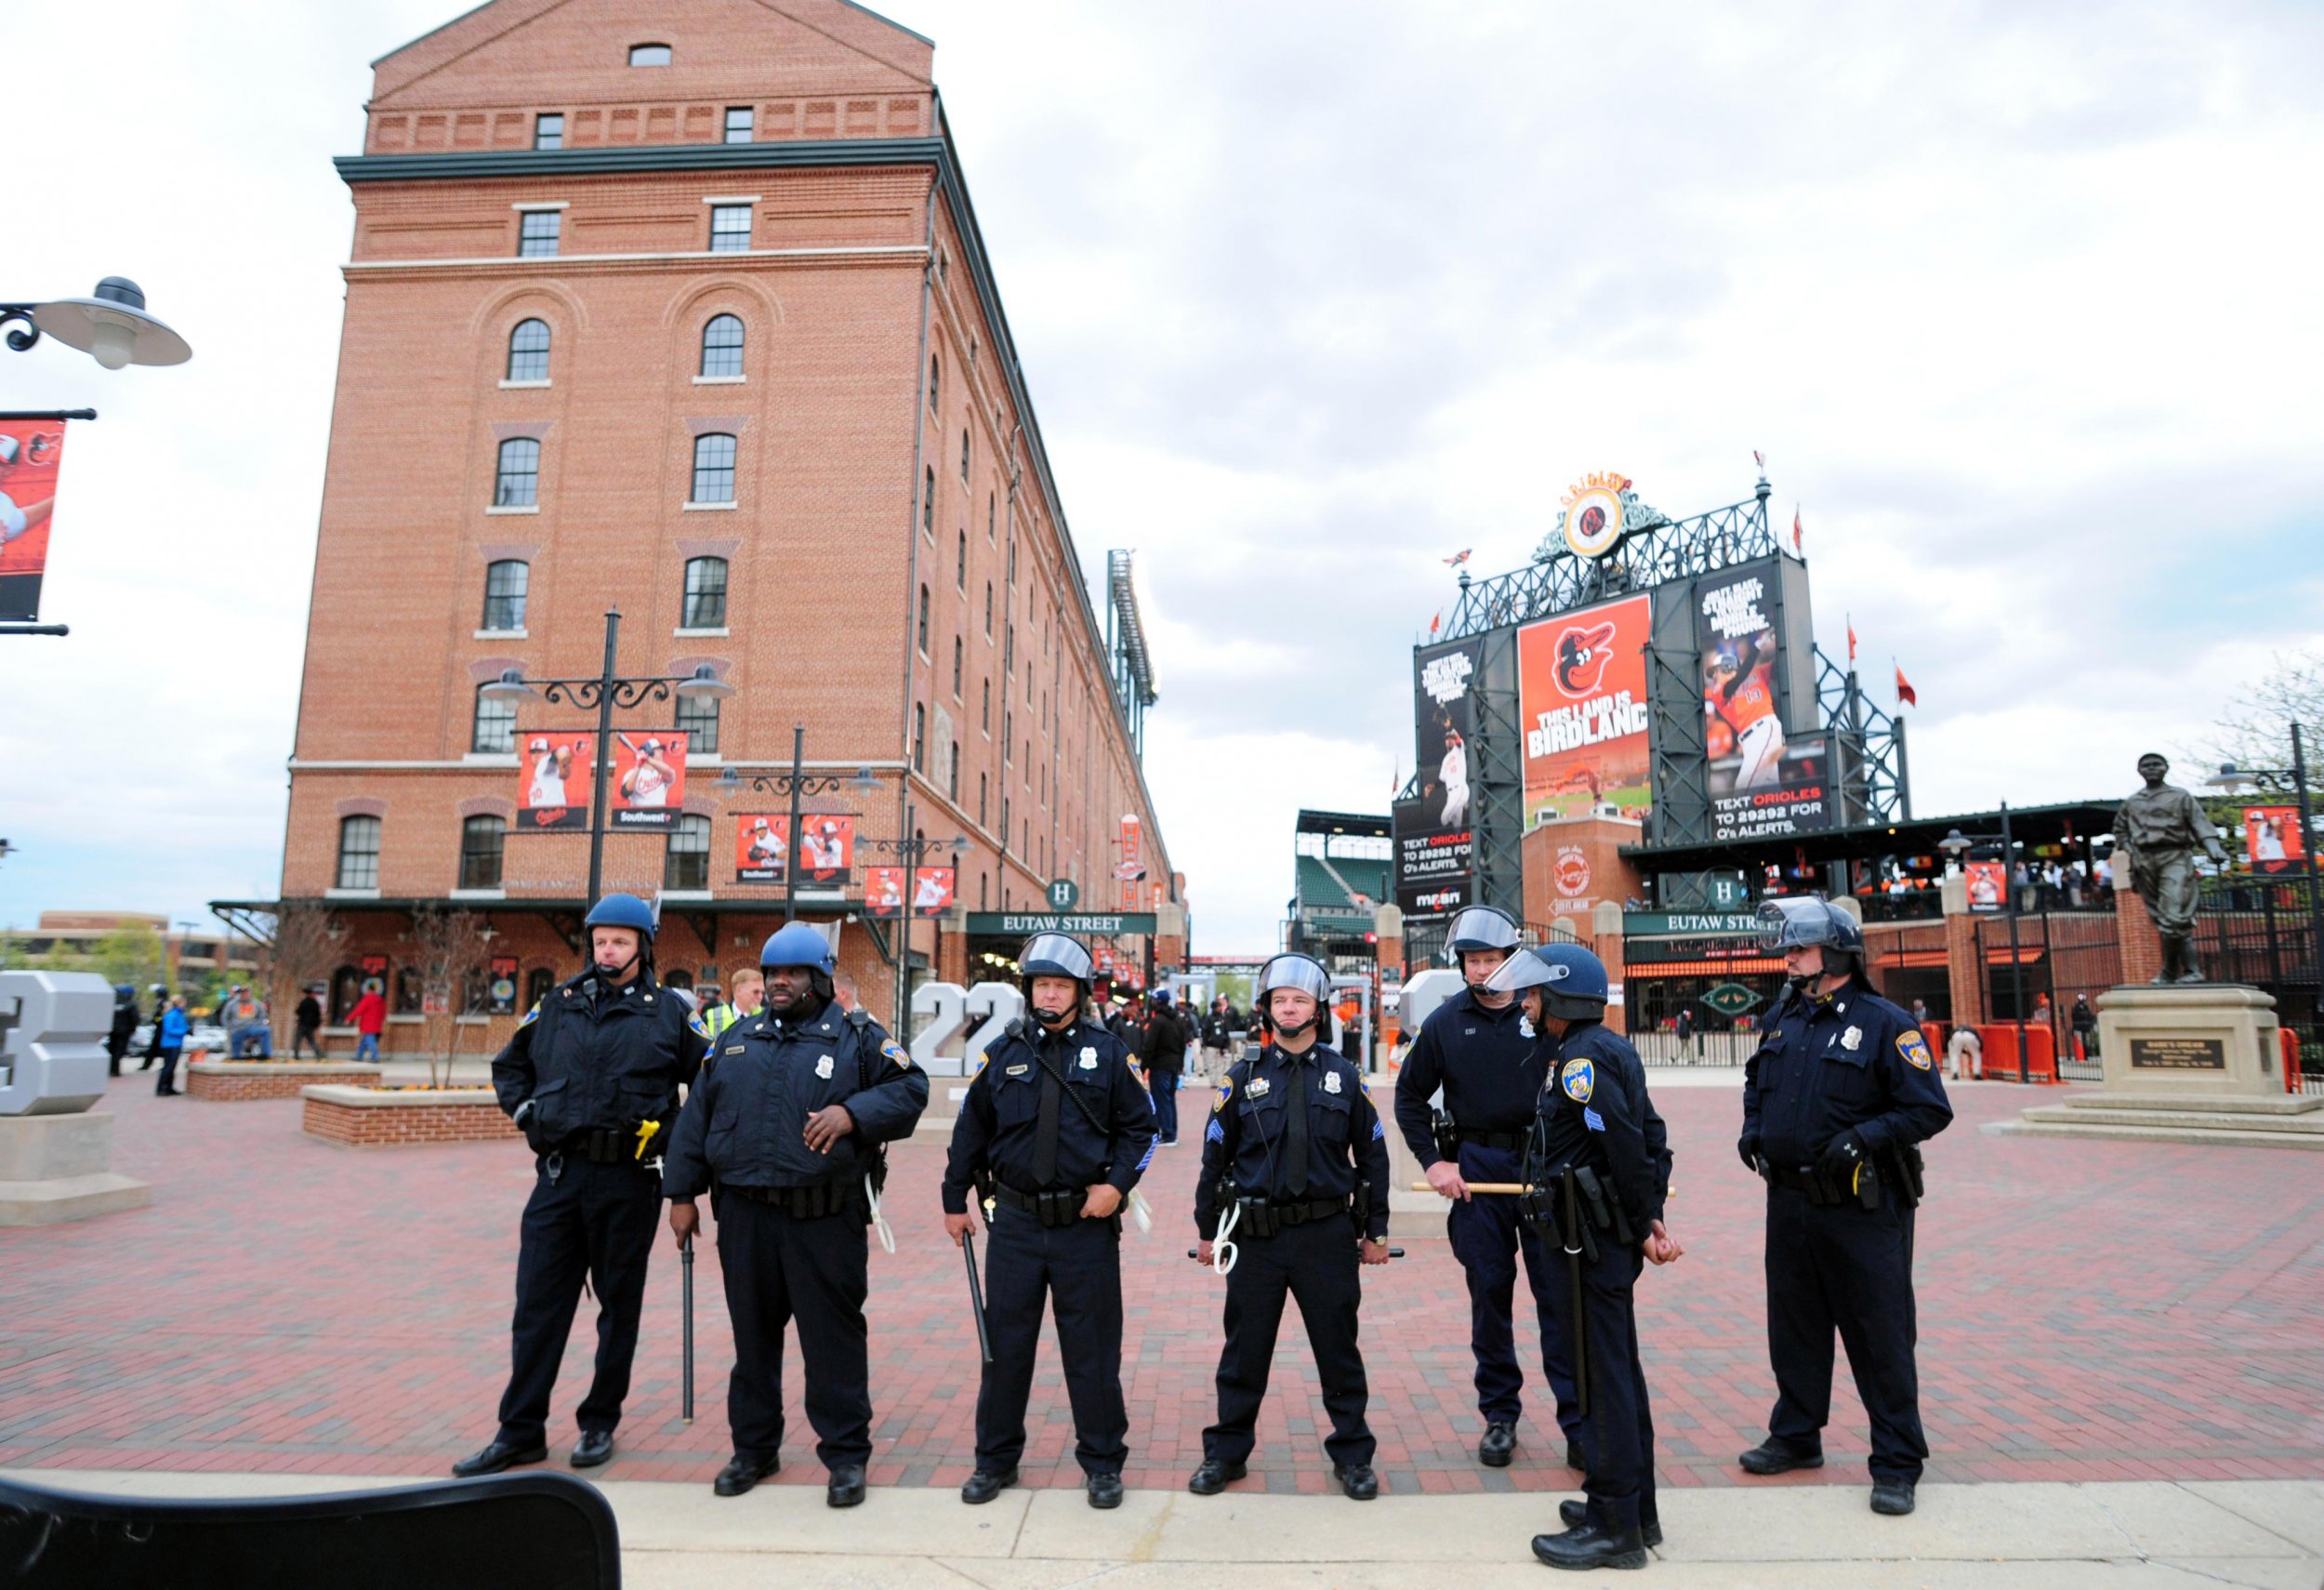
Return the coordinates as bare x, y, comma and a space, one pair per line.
376, 1118
233, 1081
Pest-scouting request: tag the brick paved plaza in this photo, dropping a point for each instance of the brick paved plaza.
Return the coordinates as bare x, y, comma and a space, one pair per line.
2091, 1311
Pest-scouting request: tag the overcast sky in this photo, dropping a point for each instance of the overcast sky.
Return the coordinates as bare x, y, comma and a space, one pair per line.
2021, 303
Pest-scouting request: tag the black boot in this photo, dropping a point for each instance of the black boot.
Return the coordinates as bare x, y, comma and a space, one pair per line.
1214, 1476
1769, 1457
1357, 1481
499, 1455
1590, 1546
1573, 1514
1105, 1490
985, 1484
594, 1448
741, 1473
1498, 1446
1893, 1497
845, 1488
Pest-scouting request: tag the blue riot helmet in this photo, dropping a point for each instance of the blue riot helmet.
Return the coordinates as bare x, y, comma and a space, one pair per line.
1301, 972
1800, 922
625, 911
796, 943
1572, 980
1055, 955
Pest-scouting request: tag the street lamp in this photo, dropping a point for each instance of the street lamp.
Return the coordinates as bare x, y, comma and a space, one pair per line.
110, 327
2232, 778
795, 784
605, 691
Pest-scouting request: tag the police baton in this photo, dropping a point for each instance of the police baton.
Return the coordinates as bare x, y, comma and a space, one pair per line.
976, 1295
686, 1303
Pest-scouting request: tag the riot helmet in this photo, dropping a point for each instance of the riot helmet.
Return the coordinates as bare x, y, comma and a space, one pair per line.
1801, 922
1055, 955
1303, 974
1572, 980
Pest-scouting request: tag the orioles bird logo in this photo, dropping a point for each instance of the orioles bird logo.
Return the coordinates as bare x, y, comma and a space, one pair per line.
1581, 659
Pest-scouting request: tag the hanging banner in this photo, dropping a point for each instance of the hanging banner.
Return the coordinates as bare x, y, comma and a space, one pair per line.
1132, 866
1761, 783
31, 453
883, 892
1432, 831
932, 890
500, 993
2272, 838
1581, 692
827, 854
1989, 885
553, 781
649, 779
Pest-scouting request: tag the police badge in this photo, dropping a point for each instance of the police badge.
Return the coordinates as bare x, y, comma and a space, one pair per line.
823, 1068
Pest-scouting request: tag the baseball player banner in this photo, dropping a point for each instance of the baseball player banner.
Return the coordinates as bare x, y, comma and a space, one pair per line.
932, 890
1581, 694
761, 844
554, 778
1989, 885
883, 892
31, 454
649, 779
2272, 838
1761, 782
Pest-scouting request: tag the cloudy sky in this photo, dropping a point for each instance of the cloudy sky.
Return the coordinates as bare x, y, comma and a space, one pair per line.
2021, 303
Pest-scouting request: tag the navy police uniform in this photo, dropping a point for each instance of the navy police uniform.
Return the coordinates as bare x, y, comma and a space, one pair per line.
1047, 1116
1595, 1117
1293, 1140
1491, 1070
1840, 1091
592, 1074
791, 1221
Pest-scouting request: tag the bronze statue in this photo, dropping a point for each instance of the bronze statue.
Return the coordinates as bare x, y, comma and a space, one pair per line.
2154, 835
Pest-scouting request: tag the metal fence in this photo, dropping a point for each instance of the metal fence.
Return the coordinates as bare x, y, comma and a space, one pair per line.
2262, 931
2060, 958
1662, 1047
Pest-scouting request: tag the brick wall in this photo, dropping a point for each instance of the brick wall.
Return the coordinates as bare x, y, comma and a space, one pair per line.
207, 1080
372, 1126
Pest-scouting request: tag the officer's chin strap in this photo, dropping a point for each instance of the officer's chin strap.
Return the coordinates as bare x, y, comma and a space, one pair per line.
879, 1221
1222, 1252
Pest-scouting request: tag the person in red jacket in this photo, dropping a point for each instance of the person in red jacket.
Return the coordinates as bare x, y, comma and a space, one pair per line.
370, 1015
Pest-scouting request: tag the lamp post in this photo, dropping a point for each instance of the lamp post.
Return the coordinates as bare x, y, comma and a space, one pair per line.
606, 692
911, 850
796, 782
2232, 778
1955, 845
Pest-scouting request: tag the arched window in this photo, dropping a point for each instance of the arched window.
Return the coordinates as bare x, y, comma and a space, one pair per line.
528, 351
964, 457
923, 629
346, 986
507, 583
919, 738
480, 852
706, 594
935, 374
928, 502
687, 863
537, 985
957, 649
722, 346
960, 569
359, 853
518, 484
494, 731
714, 468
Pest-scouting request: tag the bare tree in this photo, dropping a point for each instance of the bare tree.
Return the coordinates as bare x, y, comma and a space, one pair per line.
304, 948
453, 952
2256, 730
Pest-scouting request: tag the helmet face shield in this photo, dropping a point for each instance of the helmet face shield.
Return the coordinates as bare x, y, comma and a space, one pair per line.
1055, 955
1801, 922
1482, 927
1294, 972
1522, 971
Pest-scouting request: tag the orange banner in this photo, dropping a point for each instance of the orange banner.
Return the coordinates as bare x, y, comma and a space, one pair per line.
1581, 693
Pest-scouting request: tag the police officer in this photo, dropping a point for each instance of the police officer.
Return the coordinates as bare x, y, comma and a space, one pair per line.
1056, 1128
1292, 1140
1600, 1170
592, 1074
1834, 1102
1479, 1048
784, 1133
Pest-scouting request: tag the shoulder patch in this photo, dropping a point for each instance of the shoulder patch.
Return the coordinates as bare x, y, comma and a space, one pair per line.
897, 1052
695, 1023
1914, 1048
532, 1016
1227, 1094
978, 1068
1578, 1079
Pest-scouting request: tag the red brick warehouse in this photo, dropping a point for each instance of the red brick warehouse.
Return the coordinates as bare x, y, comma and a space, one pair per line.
686, 311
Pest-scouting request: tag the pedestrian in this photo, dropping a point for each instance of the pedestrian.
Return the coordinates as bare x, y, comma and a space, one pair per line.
1920, 1012
1686, 1031
1295, 1177
2085, 1023
750, 991
1836, 1101
591, 1075
1054, 1131
1165, 1057
307, 1033
171, 1030
244, 1018
1480, 1049
1598, 1152
369, 1017
788, 1132
125, 1027
154, 1027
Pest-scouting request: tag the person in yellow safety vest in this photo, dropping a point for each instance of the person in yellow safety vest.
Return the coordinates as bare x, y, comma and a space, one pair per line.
749, 990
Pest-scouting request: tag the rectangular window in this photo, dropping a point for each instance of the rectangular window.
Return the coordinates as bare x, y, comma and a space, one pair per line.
714, 468
951, 784
537, 234
496, 730
706, 593
519, 480
504, 585
480, 841
698, 720
548, 132
730, 229
686, 864
359, 853
738, 124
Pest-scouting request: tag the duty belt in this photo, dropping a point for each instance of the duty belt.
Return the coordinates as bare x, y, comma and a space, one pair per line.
603, 1147
1262, 1218
1053, 1210
1821, 1190
1506, 1141
801, 1203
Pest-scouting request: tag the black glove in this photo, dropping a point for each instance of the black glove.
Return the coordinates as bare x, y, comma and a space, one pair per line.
1842, 1158
1748, 1147
528, 1120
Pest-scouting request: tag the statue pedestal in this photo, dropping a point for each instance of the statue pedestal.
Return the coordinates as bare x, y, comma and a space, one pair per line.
2211, 1038
57, 1167
2186, 1062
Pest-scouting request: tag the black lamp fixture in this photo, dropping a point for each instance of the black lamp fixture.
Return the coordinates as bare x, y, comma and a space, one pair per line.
110, 326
